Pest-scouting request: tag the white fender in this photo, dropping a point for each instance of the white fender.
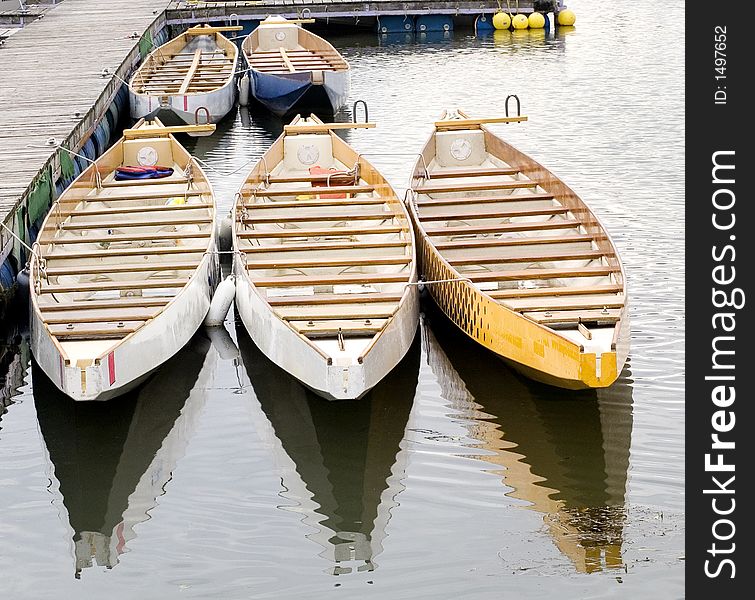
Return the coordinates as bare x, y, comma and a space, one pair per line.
223, 343
244, 90
221, 302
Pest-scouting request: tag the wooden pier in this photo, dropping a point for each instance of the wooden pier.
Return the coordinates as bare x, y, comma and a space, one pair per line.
52, 88
191, 11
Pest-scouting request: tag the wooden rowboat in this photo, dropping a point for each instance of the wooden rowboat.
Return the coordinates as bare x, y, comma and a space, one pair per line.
123, 270
293, 69
535, 277
191, 77
325, 262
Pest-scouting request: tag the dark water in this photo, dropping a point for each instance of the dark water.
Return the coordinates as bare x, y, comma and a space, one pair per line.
223, 477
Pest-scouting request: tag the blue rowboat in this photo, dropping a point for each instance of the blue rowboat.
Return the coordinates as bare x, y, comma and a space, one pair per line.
294, 70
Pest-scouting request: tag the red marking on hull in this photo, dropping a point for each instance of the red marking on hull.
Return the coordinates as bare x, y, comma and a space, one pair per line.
111, 367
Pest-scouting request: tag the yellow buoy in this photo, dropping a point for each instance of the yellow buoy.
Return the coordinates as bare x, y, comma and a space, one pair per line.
501, 20
536, 21
567, 17
520, 22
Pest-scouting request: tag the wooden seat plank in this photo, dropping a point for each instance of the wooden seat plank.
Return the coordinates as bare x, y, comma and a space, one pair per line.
52, 257
462, 200
324, 299
103, 331
340, 279
136, 210
550, 257
496, 214
302, 204
526, 274
109, 303
78, 225
133, 237
100, 269
108, 197
113, 285
346, 328
573, 316
504, 228
320, 247
309, 178
555, 291
517, 241
478, 172
338, 189
296, 216
595, 301
331, 312
476, 187
107, 315
296, 263
323, 231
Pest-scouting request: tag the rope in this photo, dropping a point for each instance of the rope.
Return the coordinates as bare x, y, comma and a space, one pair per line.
225, 174
22, 242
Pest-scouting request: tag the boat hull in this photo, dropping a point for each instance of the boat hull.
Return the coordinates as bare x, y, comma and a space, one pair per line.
188, 108
297, 92
137, 356
285, 347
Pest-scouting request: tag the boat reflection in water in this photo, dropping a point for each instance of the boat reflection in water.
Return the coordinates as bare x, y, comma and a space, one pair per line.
348, 465
14, 356
565, 453
113, 459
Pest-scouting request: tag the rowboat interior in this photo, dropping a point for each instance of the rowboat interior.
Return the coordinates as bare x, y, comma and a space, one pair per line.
114, 254
517, 234
325, 241
195, 62
280, 46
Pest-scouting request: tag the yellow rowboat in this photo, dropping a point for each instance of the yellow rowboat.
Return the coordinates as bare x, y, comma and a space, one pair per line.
124, 268
524, 266
325, 262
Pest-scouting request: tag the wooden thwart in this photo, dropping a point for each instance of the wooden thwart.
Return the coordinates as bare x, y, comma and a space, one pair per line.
90, 269
148, 132
106, 304
76, 225
534, 258
480, 172
323, 127
298, 217
342, 278
518, 241
476, 187
334, 328
324, 231
526, 274
114, 285
554, 291
103, 331
504, 228
496, 214
552, 317
319, 299
297, 263
336, 189
320, 247
462, 200
144, 195
134, 237
305, 203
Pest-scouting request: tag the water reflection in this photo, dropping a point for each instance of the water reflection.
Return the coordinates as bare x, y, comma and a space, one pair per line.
344, 454
113, 459
565, 454
14, 358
